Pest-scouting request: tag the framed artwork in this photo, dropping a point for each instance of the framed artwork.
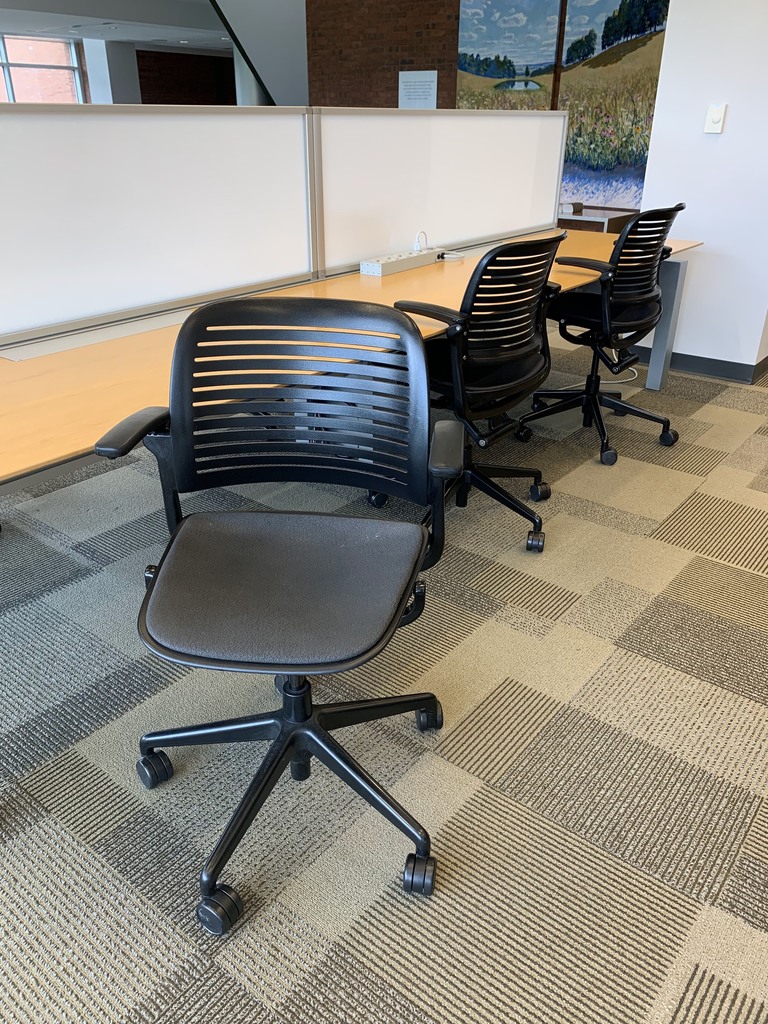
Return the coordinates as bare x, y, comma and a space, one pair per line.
597, 59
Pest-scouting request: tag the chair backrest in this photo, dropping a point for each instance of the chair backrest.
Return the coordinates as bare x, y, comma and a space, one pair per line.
324, 390
638, 252
504, 352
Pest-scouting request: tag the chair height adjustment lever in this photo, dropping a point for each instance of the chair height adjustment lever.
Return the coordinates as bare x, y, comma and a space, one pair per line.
415, 606
149, 575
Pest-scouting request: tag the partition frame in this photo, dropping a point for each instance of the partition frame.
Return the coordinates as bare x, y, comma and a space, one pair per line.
316, 208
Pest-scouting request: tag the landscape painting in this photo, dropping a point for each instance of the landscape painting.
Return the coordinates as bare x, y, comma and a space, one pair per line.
606, 79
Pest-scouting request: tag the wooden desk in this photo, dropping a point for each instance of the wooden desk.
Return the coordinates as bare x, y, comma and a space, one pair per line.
56, 406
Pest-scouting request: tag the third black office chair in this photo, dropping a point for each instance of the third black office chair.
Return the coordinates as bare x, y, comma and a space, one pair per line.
300, 390
622, 311
493, 354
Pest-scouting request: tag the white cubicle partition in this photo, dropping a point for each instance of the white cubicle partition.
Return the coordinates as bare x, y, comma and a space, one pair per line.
111, 209
114, 212
461, 176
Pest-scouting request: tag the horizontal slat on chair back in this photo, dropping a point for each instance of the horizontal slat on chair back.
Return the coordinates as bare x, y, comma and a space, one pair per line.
638, 254
300, 390
503, 300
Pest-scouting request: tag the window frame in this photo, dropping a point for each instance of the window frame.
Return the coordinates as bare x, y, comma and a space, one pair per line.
76, 65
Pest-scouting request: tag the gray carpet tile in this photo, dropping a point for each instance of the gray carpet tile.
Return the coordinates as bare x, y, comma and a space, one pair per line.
708, 997
596, 797
495, 732
545, 928
746, 893
634, 800
730, 654
31, 568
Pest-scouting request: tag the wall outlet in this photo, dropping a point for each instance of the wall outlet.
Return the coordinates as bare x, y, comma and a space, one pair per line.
381, 265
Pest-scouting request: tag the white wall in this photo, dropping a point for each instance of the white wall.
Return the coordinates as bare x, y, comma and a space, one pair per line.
274, 35
715, 53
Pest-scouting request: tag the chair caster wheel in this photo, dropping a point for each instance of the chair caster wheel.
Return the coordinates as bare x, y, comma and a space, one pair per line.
426, 719
540, 491
537, 404
619, 412
668, 437
377, 499
523, 433
154, 768
535, 541
419, 874
219, 911
608, 456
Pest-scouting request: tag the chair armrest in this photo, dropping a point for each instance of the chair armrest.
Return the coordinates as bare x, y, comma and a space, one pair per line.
123, 437
442, 313
446, 455
551, 289
606, 270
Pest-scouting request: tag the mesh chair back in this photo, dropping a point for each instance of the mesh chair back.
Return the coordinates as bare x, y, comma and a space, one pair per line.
300, 389
638, 252
504, 302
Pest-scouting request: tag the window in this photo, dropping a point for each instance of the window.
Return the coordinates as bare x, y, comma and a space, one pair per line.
36, 70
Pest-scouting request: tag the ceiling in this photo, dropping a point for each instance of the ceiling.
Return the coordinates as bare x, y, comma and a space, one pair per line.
74, 26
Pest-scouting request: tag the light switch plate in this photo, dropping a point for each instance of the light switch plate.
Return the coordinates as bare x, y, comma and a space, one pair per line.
715, 118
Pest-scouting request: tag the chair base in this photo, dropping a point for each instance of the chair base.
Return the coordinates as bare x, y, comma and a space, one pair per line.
299, 731
591, 400
483, 477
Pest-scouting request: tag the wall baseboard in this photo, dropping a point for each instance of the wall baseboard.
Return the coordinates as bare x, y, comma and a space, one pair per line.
702, 366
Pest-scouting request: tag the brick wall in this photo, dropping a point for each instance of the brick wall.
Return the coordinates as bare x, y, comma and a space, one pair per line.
172, 77
357, 48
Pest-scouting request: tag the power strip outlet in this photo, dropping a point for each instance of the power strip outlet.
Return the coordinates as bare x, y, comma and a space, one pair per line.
382, 265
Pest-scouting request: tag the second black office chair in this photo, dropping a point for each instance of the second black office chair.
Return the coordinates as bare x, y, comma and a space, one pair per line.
299, 390
622, 311
494, 354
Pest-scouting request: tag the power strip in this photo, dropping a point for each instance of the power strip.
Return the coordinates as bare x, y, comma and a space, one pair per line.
382, 265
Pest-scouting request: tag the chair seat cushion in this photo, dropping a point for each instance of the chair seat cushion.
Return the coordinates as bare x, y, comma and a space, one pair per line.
280, 591
584, 309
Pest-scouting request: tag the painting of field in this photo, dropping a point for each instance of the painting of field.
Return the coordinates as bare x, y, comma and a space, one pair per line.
610, 99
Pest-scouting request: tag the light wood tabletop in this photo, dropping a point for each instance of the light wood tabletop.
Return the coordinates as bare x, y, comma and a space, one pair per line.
54, 407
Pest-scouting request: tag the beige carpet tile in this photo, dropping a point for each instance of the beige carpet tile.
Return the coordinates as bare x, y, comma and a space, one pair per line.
716, 1001
367, 859
655, 493
413, 651
524, 621
635, 801
762, 431
722, 733
718, 944
489, 739
723, 429
718, 528
529, 923
737, 485
760, 483
608, 609
593, 512
709, 647
581, 554
80, 796
723, 590
67, 955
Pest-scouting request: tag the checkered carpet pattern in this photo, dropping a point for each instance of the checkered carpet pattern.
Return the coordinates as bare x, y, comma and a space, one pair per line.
597, 798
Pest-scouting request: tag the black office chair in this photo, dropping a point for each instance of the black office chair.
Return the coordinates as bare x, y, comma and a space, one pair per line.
297, 389
622, 311
494, 354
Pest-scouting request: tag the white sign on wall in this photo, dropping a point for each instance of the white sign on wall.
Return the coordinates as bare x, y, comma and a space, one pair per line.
418, 90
